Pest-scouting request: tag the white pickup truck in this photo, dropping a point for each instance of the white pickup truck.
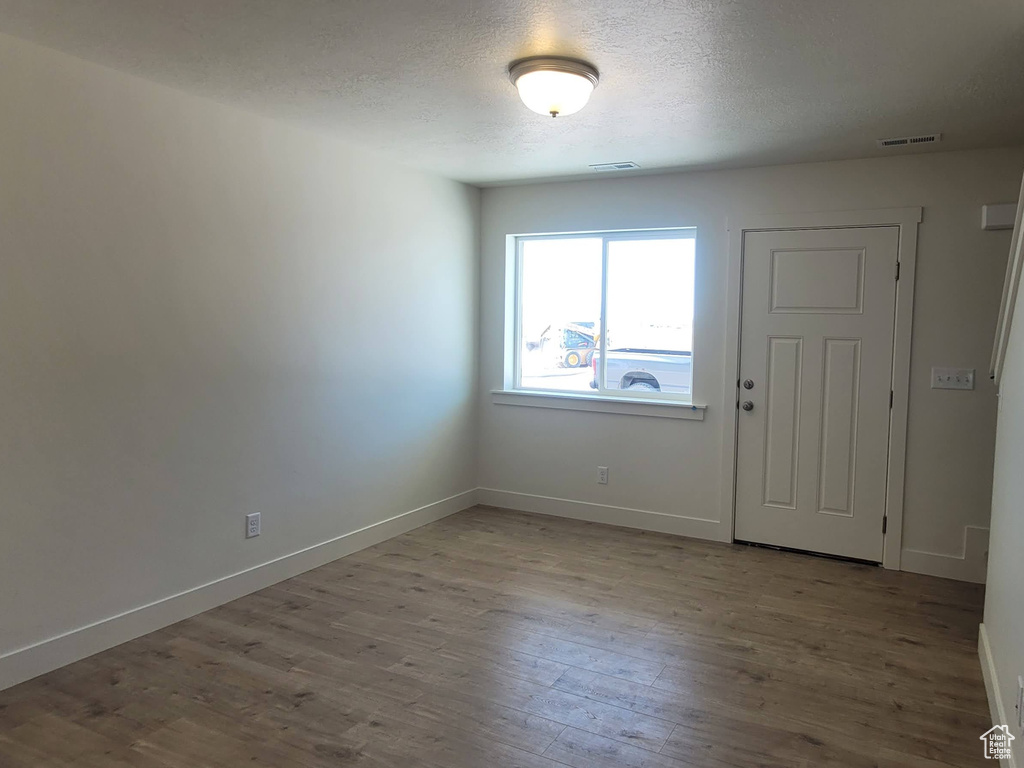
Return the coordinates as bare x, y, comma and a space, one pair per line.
650, 370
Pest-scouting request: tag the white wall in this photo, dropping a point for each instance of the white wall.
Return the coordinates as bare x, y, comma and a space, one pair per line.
1003, 658
673, 468
204, 313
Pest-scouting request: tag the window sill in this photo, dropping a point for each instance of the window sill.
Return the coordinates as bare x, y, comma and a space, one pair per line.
628, 406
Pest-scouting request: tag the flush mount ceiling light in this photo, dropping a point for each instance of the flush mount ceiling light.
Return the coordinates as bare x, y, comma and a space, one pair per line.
553, 86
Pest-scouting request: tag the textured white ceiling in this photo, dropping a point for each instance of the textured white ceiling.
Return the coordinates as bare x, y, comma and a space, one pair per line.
684, 83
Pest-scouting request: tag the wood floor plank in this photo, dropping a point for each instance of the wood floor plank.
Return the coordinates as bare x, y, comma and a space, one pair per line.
544, 701
489, 719
495, 638
481, 636
723, 742
397, 740
583, 749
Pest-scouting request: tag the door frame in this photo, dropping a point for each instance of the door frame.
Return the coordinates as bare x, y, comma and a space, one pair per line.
907, 220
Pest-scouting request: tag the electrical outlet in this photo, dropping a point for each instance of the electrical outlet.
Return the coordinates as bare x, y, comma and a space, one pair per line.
602, 475
952, 378
252, 525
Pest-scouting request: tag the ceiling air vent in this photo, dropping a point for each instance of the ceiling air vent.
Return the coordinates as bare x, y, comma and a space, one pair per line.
608, 167
908, 141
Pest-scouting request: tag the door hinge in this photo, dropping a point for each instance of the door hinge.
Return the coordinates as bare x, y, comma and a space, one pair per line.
897, 270
885, 524
890, 399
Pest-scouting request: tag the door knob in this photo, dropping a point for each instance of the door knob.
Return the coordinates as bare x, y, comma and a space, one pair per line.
747, 405
748, 384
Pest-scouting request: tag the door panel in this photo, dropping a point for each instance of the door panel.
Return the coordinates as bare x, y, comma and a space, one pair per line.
816, 281
783, 433
816, 342
839, 416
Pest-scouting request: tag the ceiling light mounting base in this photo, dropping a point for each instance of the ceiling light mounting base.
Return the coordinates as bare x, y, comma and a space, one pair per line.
553, 85
521, 67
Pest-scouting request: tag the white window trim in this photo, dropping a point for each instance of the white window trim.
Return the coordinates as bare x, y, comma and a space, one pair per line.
575, 401
604, 400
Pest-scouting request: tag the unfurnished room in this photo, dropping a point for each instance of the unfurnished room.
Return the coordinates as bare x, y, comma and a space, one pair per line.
480, 384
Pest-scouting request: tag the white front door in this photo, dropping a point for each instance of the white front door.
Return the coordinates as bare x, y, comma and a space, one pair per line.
816, 372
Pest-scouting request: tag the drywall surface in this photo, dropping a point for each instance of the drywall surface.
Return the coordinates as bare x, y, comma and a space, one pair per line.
1004, 616
682, 83
203, 314
548, 458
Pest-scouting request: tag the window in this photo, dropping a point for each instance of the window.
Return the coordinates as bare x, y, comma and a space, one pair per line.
606, 314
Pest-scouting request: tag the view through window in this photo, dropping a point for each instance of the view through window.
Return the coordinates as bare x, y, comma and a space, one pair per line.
640, 282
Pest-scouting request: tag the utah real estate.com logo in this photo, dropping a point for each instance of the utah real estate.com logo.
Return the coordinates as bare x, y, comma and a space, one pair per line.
997, 742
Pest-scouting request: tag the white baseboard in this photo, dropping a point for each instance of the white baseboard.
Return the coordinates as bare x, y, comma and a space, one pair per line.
48, 655
659, 522
970, 565
995, 701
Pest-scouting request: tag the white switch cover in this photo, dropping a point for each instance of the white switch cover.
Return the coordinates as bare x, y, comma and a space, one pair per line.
952, 378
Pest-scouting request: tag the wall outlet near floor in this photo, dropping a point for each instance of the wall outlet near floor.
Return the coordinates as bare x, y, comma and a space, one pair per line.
602, 475
952, 378
252, 525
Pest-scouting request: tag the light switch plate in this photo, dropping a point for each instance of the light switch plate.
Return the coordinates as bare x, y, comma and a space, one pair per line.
952, 378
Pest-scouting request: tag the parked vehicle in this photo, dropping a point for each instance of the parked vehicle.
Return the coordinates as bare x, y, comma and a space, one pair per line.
646, 370
572, 345
578, 342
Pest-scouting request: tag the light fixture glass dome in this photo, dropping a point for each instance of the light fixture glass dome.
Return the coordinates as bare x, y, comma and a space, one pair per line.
555, 87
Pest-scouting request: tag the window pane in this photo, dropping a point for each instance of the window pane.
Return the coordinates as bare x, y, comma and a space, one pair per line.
650, 316
560, 313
